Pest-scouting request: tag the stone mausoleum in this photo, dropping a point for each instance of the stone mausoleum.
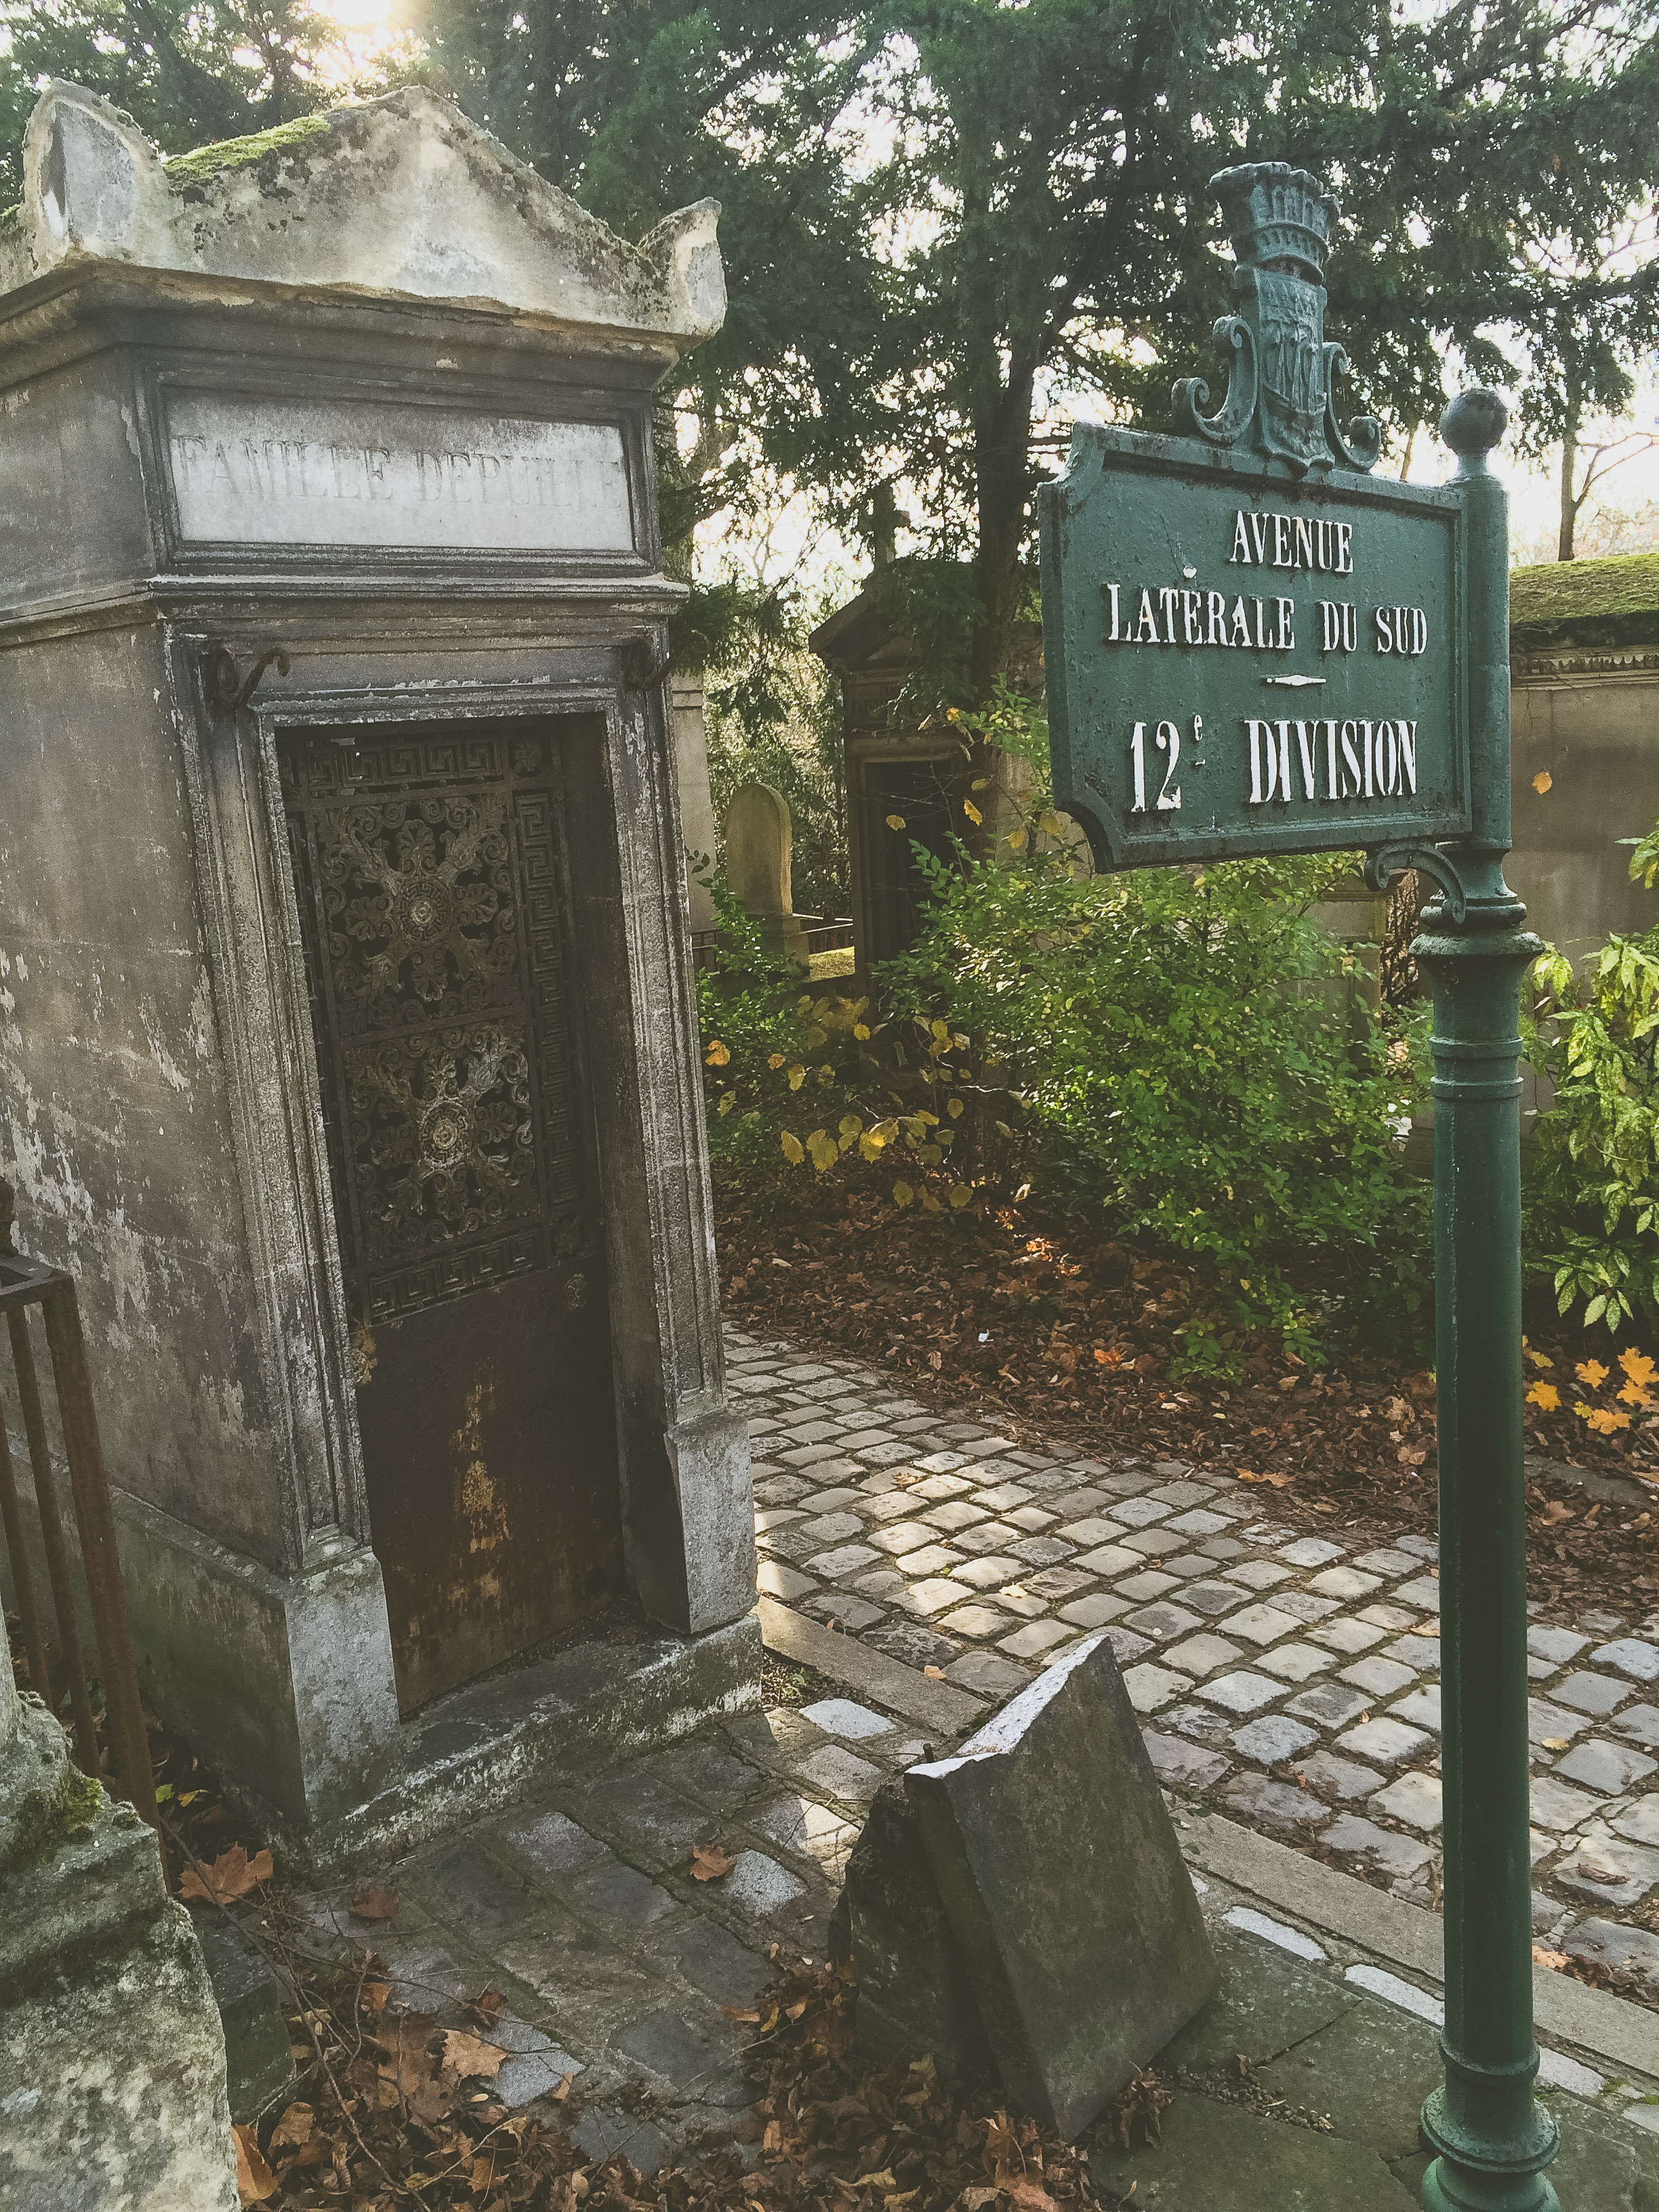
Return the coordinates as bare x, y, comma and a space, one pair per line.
346, 1054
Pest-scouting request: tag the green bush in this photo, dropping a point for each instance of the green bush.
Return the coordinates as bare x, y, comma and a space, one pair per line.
1179, 1052
1182, 1048
1592, 1209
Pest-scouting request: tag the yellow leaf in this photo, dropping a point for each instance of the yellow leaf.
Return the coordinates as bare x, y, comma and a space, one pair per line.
794, 1151
1542, 781
728, 1100
1634, 1394
851, 1125
896, 822
1592, 1372
797, 1077
930, 1203
1050, 825
941, 1030
860, 1030
869, 1148
902, 1193
960, 1195
955, 1108
1639, 1368
1604, 1420
1545, 1394
1537, 1358
1017, 840
972, 813
824, 1150
776, 1060
717, 1056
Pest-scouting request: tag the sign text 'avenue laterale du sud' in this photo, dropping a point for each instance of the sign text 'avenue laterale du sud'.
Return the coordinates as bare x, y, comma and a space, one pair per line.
1251, 645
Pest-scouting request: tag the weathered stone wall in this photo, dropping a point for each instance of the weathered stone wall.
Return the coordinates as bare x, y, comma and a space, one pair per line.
1593, 731
114, 1118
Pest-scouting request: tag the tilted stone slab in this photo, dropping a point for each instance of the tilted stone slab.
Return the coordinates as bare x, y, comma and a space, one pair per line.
1066, 1889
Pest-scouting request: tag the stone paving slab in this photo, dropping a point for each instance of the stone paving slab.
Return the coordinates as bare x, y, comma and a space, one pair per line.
1296, 1665
616, 1966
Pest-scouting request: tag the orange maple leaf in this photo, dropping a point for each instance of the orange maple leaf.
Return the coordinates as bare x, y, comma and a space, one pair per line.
1545, 1396
231, 1875
1592, 1372
1639, 1368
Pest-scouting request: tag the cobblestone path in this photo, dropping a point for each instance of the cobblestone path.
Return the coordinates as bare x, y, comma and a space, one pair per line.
1293, 1683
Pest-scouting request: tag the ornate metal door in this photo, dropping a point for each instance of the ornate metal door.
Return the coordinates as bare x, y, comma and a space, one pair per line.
431, 883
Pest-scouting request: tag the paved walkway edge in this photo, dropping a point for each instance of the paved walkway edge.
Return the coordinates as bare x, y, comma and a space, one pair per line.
1624, 2036
885, 1681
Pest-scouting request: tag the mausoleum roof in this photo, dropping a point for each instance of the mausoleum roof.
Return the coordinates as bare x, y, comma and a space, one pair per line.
1585, 603
404, 196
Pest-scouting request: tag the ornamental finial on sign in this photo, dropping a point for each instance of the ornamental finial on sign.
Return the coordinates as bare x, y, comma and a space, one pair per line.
1279, 394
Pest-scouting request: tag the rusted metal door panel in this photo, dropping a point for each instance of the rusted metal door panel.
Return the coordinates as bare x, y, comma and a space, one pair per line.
431, 882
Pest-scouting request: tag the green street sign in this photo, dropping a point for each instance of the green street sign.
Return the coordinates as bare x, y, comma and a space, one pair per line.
1253, 645
1250, 645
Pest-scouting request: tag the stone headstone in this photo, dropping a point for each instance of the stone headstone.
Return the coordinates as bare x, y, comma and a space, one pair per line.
758, 838
1066, 1889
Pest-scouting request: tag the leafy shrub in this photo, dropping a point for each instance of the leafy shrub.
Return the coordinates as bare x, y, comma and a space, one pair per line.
1179, 1050
1592, 1215
1181, 1044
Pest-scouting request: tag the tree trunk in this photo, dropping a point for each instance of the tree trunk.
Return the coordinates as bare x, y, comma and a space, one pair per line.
1569, 470
1002, 436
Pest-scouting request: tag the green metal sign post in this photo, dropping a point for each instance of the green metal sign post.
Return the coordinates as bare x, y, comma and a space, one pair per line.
1253, 645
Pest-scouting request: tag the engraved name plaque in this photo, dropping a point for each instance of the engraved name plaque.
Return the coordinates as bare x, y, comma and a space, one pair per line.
249, 470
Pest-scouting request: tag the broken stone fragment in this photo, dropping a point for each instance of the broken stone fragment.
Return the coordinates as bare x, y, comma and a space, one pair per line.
1064, 1886
913, 1993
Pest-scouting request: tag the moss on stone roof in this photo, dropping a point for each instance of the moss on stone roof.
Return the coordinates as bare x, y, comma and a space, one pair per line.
1605, 603
202, 163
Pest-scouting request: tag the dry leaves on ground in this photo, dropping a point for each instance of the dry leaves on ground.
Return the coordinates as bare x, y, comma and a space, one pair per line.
711, 1863
1045, 1327
231, 1875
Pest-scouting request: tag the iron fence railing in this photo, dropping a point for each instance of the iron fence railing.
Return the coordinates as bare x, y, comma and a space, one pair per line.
59, 1674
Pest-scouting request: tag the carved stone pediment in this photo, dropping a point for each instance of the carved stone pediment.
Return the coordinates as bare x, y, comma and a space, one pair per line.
403, 197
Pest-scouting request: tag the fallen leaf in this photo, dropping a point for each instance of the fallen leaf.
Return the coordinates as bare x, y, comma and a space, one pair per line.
486, 2007
254, 2179
1031, 2196
740, 2012
934, 1673
1554, 1959
465, 2055
1545, 1396
1542, 781
711, 1863
294, 2127
231, 1875
404, 2040
1554, 1742
375, 1903
1424, 1628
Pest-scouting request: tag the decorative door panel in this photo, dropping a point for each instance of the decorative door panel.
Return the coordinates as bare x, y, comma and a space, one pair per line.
431, 884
